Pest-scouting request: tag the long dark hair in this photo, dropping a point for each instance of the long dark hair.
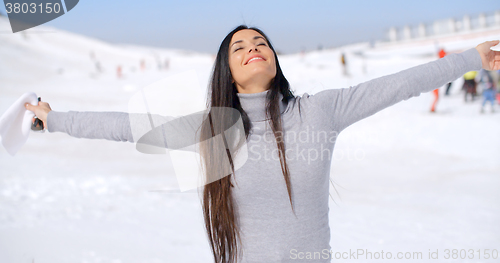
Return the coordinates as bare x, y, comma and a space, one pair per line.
218, 205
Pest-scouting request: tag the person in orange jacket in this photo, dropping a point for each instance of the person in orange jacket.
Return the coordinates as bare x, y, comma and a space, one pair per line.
436, 97
442, 53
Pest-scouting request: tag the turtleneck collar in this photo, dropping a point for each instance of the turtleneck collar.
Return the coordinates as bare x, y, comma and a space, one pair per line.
254, 104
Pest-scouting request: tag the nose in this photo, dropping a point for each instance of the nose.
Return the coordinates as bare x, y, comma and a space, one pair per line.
253, 47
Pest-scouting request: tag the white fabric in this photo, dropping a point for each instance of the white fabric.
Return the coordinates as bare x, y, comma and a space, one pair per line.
495, 48
15, 123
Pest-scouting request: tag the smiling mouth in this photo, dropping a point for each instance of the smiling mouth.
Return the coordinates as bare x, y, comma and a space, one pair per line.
255, 59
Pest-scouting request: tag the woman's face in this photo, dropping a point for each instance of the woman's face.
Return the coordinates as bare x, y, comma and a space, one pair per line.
251, 61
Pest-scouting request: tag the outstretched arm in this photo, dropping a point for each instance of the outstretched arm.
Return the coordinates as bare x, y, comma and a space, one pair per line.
344, 107
115, 126
141, 128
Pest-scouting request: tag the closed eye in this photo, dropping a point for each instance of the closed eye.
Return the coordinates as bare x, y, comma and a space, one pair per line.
261, 44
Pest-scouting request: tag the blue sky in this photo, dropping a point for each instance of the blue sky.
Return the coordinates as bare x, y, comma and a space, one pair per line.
291, 25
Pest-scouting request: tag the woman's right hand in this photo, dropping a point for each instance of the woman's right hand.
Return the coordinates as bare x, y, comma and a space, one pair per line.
489, 58
41, 111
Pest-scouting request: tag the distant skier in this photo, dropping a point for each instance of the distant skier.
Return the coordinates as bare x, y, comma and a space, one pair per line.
436, 98
470, 84
167, 63
498, 79
119, 71
442, 54
344, 64
98, 67
96, 62
489, 89
498, 86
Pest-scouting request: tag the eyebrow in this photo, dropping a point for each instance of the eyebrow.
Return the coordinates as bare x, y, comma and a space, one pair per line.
255, 37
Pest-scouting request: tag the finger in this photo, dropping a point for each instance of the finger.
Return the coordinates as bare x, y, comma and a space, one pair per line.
29, 107
493, 43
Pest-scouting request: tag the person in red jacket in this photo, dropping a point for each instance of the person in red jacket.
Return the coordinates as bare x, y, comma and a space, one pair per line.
442, 53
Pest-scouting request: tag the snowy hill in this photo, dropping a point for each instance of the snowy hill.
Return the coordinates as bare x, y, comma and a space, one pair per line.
418, 181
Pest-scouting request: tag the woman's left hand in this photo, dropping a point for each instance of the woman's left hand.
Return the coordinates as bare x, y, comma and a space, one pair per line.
490, 58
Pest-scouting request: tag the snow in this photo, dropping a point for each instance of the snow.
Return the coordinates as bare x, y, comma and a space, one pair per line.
409, 181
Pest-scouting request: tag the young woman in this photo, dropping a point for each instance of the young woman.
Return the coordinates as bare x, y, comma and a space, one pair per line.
275, 206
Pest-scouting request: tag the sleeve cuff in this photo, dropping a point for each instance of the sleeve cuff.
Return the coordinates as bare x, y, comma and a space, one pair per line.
55, 121
473, 58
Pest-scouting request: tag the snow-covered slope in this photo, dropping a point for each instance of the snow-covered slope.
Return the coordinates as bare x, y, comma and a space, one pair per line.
409, 180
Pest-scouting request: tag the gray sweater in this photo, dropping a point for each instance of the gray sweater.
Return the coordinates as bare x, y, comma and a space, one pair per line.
270, 231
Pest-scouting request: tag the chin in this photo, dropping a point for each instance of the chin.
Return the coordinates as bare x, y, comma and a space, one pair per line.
262, 72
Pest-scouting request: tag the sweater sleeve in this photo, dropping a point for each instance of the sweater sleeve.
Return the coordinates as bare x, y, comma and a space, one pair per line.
114, 126
145, 130
343, 107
